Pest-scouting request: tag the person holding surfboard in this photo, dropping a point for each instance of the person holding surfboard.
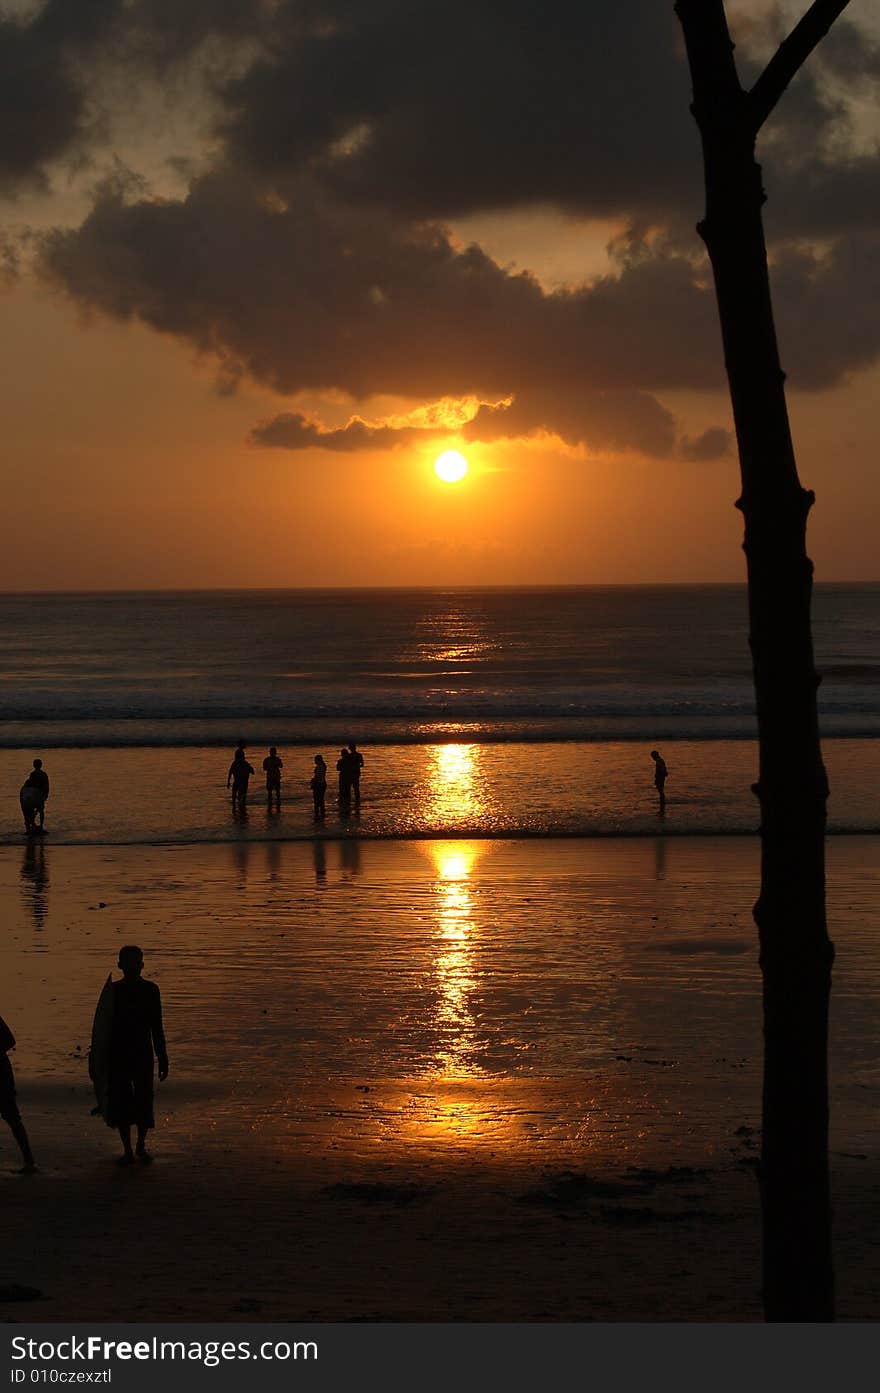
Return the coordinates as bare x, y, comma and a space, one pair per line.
8, 1105
32, 797
136, 1044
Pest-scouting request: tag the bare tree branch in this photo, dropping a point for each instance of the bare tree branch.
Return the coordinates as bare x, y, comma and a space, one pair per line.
791, 54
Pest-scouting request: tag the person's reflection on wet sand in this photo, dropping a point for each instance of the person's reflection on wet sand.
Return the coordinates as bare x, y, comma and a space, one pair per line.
273, 861
350, 855
35, 878
319, 856
241, 855
659, 858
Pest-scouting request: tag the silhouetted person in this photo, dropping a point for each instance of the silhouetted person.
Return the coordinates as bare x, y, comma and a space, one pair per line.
660, 772
355, 765
39, 779
239, 774
343, 768
8, 1105
32, 796
273, 766
137, 1032
318, 785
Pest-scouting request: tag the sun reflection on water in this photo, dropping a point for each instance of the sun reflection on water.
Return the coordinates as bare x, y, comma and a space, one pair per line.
454, 966
453, 794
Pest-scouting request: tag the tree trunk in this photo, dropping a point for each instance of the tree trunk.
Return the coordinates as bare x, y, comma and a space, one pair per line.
796, 953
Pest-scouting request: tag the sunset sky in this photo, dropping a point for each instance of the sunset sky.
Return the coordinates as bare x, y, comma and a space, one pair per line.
266, 259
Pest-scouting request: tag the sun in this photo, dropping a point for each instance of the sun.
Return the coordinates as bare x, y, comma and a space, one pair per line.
450, 466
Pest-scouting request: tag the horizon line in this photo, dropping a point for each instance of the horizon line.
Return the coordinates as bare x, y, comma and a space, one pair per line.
406, 589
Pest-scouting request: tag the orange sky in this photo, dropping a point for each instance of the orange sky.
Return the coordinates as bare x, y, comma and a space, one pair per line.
126, 468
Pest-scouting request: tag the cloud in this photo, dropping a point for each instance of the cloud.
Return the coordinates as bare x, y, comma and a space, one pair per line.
439, 108
612, 421
55, 57
291, 430
306, 293
42, 99
443, 108
712, 444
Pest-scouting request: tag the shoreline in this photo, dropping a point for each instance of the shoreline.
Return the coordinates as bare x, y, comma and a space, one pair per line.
456, 834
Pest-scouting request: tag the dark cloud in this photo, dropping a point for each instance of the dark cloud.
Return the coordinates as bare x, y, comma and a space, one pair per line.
42, 97
291, 430
307, 294
827, 309
822, 198
441, 107
446, 107
618, 420
52, 62
712, 444
848, 52
435, 108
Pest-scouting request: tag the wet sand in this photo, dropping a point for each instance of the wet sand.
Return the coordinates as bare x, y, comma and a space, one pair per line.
418, 1081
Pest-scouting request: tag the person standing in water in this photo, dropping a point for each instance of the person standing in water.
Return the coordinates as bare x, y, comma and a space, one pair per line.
137, 1033
355, 765
318, 785
32, 797
273, 766
239, 774
8, 1105
39, 779
343, 769
660, 773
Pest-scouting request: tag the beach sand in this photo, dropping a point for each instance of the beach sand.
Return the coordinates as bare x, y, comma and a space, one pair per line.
422, 1081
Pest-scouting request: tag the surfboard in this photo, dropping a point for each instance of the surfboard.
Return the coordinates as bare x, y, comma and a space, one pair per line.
99, 1052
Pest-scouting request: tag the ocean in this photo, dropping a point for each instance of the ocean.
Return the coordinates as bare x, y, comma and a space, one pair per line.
480, 712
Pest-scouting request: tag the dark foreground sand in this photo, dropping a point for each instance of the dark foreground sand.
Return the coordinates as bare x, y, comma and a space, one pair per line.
441, 1081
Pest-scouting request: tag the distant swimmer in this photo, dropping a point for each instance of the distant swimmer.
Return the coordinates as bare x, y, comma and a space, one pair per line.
355, 765
273, 766
239, 774
136, 1033
318, 785
8, 1104
32, 797
660, 773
